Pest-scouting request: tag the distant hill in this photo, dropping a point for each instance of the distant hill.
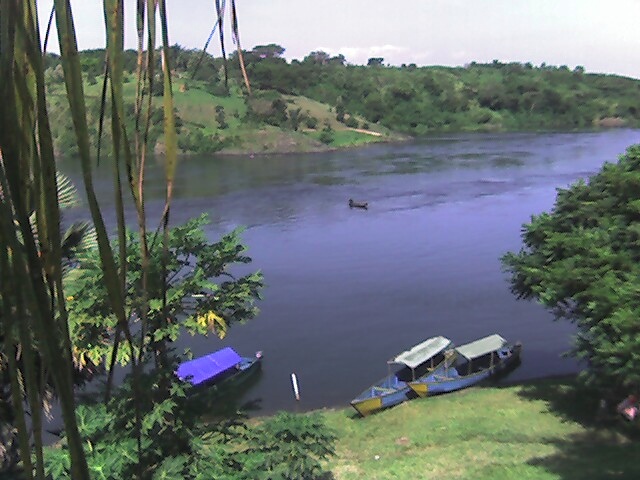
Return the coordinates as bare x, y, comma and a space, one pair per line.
321, 103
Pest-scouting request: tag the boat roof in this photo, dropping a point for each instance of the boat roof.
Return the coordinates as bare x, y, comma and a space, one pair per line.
481, 347
421, 352
204, 368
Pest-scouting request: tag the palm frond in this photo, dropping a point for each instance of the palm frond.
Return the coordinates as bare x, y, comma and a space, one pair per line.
68, 196
79, 236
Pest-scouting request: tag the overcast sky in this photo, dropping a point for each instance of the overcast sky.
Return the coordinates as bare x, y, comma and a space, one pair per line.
601, 35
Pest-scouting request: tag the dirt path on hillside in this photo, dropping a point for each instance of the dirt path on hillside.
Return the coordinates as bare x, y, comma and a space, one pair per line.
368, 132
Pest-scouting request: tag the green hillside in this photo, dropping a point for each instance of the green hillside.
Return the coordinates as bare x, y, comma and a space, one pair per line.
322, 103
232, 124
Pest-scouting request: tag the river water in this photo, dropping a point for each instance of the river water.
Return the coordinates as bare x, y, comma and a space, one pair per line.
347, 288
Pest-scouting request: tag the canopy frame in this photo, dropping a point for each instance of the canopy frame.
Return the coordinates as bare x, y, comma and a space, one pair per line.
420, 353
481, 347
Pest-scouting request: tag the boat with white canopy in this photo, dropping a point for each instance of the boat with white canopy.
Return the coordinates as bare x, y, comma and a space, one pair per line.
468, 365
424, 358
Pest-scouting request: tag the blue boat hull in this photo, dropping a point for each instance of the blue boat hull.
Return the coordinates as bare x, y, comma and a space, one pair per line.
247, 367
387, 393
446, 380
425, 357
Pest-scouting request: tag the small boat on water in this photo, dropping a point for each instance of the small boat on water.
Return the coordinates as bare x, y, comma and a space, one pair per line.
425, 357
354, 204
468, 365
224, 367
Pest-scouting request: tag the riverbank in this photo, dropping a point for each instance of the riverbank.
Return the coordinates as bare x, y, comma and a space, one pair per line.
543, 429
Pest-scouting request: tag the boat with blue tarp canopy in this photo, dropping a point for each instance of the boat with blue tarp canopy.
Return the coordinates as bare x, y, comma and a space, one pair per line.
217, 367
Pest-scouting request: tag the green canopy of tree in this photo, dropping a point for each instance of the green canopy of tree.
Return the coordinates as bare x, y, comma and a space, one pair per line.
192, 287
582, 261
268, 51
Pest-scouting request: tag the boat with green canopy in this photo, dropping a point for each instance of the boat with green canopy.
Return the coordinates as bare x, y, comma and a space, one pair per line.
468, 365
426, 357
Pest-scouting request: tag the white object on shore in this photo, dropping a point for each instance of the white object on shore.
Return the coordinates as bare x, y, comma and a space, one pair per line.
294, 383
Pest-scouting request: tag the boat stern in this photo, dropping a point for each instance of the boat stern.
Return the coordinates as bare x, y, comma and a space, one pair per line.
421, 389
367, 406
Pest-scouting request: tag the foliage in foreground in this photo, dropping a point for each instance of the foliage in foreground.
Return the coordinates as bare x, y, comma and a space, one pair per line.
77, 238
35, 327
178, 445
288, 446
582, 261
192, 287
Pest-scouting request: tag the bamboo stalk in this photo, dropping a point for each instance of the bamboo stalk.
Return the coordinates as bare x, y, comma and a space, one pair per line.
236, 34
31, 384
8, 322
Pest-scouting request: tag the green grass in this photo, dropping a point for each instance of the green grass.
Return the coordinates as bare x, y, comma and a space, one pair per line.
543, 430
196, 108
350, 138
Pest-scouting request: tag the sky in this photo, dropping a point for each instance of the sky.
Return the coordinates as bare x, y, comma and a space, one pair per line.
600, 35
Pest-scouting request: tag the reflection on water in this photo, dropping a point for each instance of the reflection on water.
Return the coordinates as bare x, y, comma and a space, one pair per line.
347, 288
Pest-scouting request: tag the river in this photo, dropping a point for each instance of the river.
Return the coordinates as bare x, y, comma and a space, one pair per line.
347, 288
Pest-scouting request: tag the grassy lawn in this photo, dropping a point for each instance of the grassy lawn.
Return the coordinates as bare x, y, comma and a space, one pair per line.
542, 430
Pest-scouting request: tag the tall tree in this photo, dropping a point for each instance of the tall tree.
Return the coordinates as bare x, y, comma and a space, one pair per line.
268, 51
33, 303
582, 261
33, 311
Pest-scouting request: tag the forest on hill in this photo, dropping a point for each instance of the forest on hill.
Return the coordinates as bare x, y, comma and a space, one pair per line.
323, 102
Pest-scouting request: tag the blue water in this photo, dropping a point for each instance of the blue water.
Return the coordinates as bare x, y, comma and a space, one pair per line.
347, 289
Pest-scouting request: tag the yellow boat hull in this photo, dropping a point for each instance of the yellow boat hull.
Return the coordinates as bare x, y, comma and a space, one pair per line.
420, 388
368, 406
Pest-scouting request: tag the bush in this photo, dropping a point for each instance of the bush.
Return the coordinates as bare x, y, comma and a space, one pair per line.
195, 141
327, 135
351, 122
289, 446
177, 445
311, 122
221, 117
295, 118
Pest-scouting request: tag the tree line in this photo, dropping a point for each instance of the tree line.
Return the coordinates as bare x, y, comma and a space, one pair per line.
408, 99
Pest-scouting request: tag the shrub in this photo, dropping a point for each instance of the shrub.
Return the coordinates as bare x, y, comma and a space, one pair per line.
289, 446
311, 122
351, 122
327, 135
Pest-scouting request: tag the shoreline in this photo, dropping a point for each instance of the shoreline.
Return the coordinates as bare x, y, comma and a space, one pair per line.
396, 138
400, 138
297, 408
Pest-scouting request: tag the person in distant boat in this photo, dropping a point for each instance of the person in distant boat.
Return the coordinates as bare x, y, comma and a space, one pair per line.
353, 204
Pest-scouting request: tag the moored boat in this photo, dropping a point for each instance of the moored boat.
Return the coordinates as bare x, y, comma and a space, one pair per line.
425, 357
219, 368
468, 365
